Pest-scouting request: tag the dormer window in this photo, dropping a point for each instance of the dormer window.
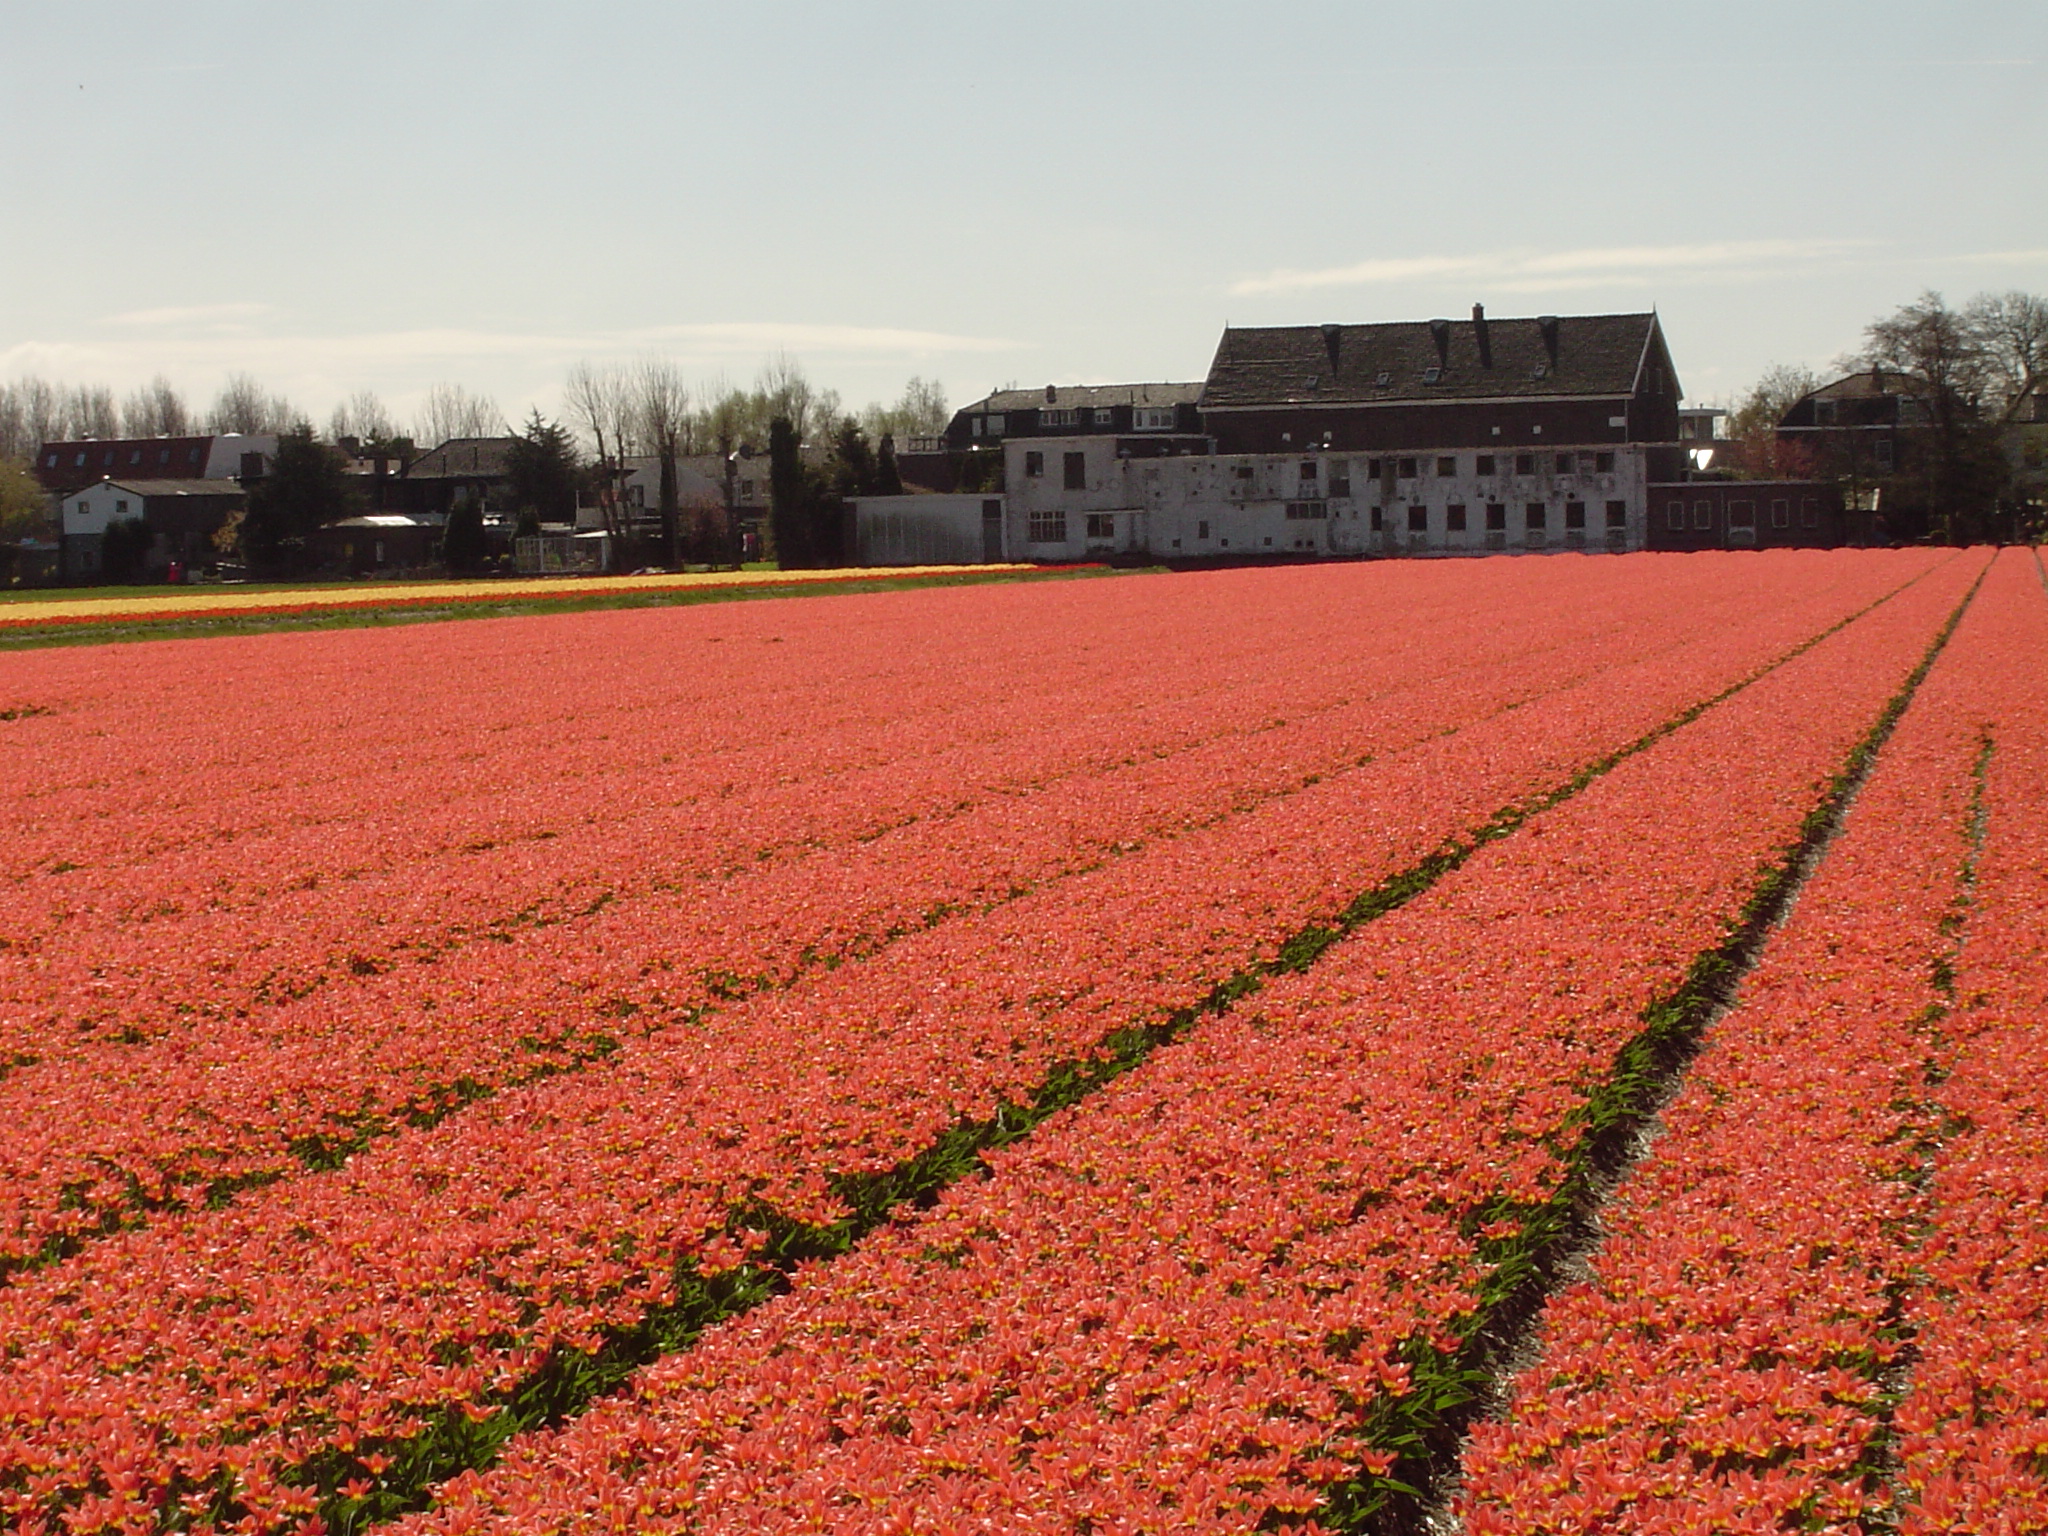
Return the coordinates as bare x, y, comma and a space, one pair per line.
1539, 370
1383, 380
1432, 375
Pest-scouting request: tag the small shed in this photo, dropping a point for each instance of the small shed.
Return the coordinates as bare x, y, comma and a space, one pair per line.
376, 541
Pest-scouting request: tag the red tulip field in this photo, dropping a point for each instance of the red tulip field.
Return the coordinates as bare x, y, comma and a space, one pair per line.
1534, 1045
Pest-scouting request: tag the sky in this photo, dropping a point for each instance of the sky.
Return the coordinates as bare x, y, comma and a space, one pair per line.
392, 195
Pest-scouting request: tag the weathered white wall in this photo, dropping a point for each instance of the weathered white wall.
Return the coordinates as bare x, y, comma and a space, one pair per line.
1238, 504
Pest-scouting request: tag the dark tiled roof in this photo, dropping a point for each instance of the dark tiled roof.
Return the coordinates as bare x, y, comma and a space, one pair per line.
1309, 364
172, 487
461, 458
1073, 396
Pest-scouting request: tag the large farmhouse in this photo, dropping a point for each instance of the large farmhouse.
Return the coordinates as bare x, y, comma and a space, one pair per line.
1411, 437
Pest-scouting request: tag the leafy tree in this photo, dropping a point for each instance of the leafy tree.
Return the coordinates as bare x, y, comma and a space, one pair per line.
1949, 487
542, 467
23, 506
308, 485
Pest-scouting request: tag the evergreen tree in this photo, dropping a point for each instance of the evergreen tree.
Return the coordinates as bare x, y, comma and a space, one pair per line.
789, 499
543, 467
888, 481
308, 486
463, 545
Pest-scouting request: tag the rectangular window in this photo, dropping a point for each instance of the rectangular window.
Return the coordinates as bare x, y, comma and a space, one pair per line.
1418, 519
1340, 477
1674, 516
1152, 418
1307, 471
1101, 525
1105, 416
1564, 463
1077, 471
1525, 463
1703, 514
1496, 517
1379, 520
1034, 463
1603, 463
1446, 466
1307, 511
1454, 517
1809, 512
1372, 469
1486, 464
1617, 514
1533, 515
1057, 417
1883, 447
1407, 469
1201, 530
1048, 528
120, 508
1575, 514
1781, 514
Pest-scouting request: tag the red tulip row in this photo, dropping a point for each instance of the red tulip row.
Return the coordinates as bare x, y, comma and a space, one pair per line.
1227, 1284
1973, 1428
152, 883
102, 1127
1725, 1365
339, 1316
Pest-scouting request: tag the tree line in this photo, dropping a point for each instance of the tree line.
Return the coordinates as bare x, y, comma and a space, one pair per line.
1973, 372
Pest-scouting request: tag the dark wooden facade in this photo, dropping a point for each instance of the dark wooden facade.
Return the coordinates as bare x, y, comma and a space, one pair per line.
1748, 514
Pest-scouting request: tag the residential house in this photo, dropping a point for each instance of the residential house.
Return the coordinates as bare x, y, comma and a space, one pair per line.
182, 516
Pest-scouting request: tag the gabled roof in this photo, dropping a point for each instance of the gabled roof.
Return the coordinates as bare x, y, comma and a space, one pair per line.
1061, 397
1871, 384
190, 487
462, 458
1592, 355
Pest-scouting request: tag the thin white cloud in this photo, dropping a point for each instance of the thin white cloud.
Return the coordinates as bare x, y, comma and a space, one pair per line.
1527, 271
2003, 258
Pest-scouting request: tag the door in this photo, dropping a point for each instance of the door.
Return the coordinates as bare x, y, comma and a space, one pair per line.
992, 531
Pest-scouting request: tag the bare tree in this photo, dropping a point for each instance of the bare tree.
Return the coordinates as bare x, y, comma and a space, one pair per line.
361, 416
156, 409
786, 392
1759, 453
662, 404
45, 411
93, 412
2011, 331
450, 411
244, 405
15, 440
599, 401
920, 411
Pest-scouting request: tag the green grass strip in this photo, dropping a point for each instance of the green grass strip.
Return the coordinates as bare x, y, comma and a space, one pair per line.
433, 611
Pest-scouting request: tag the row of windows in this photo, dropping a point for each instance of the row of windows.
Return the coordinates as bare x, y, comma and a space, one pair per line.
135, 455
1144, 418
1445, 466
1535, 516
1742, 514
